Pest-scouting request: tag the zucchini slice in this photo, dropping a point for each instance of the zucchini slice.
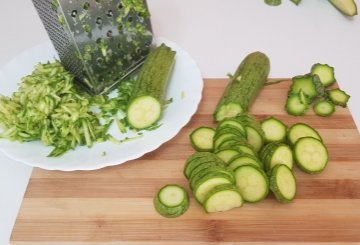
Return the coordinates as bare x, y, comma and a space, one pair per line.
206, 183
300, 130
277, 153
254, 137
304, 83
295, 105
252, 183
171, 201
346, 7
232, 123
311, 155
204, 166
172, 195
202, 139
325, 73
222, 198
338, 97
144, 111
243, 159
210, 171
283, 183
195, 160
274, 129
324, 108
226, 154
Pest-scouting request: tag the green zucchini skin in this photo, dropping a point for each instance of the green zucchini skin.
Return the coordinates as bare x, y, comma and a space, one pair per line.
245, 85
174, 211
152, 82
346, 7
274, 186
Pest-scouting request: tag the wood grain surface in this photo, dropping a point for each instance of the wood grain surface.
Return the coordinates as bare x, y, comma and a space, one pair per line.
114, 205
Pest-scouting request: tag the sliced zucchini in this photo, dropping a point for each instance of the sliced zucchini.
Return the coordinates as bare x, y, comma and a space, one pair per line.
172, 195
228, 143
311, 155
171, 201
204, 166
252, 183
296, 2
325, 73
241, 148
295, 106
304, 83
277, 153
338, 97
210, 171
226, 154
255, 137
195, 160
222, 198
243, 159
205, 184
283, 183
300, 130
346, 7
233, 123
274, 130
202, 139
144, 111
324, 108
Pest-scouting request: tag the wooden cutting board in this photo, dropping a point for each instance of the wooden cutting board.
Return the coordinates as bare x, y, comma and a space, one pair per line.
114, 205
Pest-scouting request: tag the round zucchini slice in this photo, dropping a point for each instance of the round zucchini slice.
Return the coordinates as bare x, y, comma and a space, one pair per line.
283, 183
223, 198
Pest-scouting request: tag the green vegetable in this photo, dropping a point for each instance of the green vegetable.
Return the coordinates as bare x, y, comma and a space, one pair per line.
325, 73
48, 107
300, 130
273, 2
283, 183
195, 160
243, 87
311, 155
338, 97
324, 108
226, 154
305, 84
208, 182
295, 105
296, 2
171, 201
202, 139
346, 7
222, 198
274, 129
252, 182
243, 159
146, 104
276, 153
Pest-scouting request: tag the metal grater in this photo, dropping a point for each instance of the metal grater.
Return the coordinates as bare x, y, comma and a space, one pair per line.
100, 41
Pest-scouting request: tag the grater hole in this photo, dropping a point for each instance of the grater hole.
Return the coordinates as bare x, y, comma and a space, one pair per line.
130, 19
99, 20
120, 6
109, 33
74, 13
98, 1
110, 13
86, 5
100, 61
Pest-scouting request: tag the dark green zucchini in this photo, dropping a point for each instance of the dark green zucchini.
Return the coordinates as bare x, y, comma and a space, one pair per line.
243, 87
147, 100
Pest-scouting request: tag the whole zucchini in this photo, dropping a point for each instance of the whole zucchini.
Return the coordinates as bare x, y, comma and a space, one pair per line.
146, 103
244, 86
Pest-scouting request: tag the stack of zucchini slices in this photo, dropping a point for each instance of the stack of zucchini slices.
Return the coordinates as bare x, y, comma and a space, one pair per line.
242, 160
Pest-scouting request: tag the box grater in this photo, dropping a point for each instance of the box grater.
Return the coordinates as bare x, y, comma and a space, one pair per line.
100, 41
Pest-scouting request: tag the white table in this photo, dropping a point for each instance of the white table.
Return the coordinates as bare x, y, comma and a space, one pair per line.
218, 34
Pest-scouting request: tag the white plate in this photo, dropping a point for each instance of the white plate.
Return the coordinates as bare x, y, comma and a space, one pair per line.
185, 87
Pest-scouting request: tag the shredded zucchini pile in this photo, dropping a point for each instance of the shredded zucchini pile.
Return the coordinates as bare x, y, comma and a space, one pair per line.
48, 107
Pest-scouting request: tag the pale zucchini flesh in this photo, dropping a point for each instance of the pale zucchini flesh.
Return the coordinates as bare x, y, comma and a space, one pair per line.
300, 130
274, 130
346, 7
252, 183
295, 106
172, 195
223, 198
325, 73
311, 155
202, 139
283, 183
144, 112
338, 97
324, 108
